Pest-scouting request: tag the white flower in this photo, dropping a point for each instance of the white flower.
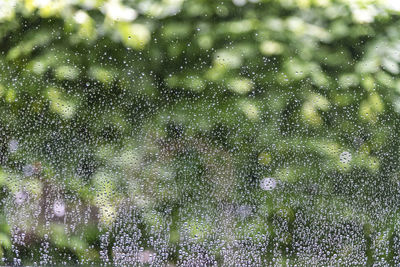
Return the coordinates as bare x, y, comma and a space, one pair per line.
20, 197
116, 11
13, 145
146, 256
81, 17
364, 15
59, 208
393, 5
345, 157
268, 183
239, 2
28, 170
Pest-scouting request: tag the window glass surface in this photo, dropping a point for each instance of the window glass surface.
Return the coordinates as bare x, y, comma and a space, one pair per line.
199, 132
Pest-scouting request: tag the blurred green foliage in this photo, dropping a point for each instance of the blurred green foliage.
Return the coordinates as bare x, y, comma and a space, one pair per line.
178, 107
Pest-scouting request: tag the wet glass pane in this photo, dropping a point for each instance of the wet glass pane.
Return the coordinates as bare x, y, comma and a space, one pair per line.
199, 132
